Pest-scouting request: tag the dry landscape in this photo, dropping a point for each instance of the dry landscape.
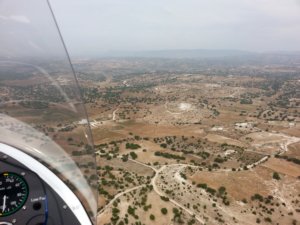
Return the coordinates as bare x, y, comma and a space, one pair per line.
180, 143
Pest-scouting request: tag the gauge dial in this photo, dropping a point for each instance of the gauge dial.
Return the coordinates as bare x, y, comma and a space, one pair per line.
13, 193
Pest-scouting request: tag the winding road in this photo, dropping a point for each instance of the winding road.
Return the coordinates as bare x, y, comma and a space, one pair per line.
114, 114
180, 167
119, 195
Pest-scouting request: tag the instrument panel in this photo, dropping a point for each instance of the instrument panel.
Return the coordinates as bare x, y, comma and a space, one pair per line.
26, 199
14, 190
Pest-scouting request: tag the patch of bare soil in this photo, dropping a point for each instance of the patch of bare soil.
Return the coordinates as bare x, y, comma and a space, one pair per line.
283, 167
222, 139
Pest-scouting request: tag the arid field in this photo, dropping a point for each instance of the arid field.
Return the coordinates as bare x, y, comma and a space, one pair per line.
182, 146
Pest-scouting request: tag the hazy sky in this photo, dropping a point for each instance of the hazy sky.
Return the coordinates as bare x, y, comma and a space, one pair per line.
104, 25
91, 27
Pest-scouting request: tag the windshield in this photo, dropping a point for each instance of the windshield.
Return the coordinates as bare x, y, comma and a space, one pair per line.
41, 112
193, 107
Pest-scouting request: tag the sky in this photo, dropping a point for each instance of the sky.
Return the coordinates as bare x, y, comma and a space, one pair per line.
93, 27
135, 25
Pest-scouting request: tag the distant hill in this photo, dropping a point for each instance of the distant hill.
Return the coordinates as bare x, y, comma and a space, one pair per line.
180, 53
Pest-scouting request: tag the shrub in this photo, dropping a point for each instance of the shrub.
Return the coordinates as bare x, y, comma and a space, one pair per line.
211, 190
268, 219
133, 155
169, 156
163, 145
276, 176
202, 185
222, 190
257, 197
164, 211
152, 217
132, 146
164, 198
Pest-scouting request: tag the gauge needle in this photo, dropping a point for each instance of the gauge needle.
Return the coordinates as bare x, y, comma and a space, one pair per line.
4, 203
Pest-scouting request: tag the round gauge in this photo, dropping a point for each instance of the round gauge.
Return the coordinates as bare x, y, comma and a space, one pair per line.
13, 193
